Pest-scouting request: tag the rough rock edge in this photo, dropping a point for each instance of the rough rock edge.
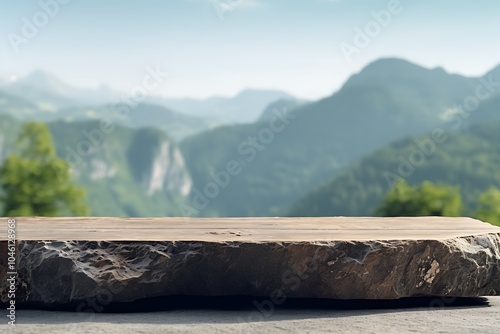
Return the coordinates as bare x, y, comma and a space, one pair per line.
60, 272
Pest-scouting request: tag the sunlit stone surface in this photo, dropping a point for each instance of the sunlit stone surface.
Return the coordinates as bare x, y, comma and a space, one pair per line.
63, 260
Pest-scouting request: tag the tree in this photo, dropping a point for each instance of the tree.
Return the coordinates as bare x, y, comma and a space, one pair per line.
427, 199
488, 206
35, 182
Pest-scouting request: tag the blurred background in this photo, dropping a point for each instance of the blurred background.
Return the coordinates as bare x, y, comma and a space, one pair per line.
250, 108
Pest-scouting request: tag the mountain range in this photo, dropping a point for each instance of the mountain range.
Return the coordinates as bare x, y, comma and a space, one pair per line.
245, 107
387, 100
43, 96
266, 153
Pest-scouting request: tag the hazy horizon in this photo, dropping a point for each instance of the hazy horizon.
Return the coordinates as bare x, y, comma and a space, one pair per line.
13, 78
212, 50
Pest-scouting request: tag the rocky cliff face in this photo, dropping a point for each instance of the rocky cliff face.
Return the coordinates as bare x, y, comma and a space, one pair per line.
163, 171
168, 172
135, 167
101, 170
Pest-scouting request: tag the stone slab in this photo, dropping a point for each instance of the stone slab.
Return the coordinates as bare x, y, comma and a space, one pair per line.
68, 260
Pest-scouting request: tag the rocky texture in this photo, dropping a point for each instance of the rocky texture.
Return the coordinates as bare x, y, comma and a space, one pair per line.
64, 260
168, 171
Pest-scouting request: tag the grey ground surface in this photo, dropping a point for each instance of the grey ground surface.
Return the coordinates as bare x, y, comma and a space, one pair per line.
473, 318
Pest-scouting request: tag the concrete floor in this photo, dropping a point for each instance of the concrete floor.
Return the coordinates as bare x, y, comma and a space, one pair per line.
426, 316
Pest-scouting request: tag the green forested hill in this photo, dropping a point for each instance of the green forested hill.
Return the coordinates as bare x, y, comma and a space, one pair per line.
126, 172
389, 99
469, 159
177, 125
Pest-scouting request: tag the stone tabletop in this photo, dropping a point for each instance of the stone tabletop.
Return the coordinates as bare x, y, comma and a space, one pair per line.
247, 229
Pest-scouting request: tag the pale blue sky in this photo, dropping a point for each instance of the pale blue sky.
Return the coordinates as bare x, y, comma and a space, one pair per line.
292, 45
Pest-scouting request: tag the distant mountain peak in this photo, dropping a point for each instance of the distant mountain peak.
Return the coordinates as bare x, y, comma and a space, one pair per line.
45, 87
439, 69
44, 81
400, 74
393, 65
40, 76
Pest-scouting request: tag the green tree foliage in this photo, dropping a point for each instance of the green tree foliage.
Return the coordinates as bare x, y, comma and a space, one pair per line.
35, 182
488, 206
426, 199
